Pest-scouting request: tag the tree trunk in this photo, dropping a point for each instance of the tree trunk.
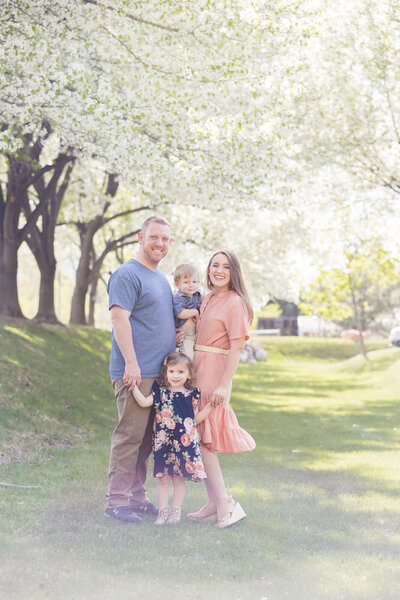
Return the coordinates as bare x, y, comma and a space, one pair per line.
46, 311
21, 175
87, 258
41, 245
2, 272
92, 300
78, 312
10, 302
41, 242
9, 260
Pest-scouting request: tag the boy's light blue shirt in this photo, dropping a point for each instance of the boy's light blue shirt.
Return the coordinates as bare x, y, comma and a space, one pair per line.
182, 301
147, 295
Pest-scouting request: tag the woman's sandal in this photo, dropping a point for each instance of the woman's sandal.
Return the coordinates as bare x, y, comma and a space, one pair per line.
207, 514
232, 515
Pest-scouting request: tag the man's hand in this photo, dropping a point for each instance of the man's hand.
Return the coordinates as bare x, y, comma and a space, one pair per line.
132, 376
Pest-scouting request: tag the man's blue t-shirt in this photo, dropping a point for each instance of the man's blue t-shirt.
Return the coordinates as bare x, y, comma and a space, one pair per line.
148, 297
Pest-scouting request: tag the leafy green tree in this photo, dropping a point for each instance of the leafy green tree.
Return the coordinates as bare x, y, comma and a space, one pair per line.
355, 292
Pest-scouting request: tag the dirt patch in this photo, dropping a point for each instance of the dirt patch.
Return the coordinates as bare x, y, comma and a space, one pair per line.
27, 445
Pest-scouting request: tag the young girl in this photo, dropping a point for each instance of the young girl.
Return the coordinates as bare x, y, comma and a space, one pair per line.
176, 444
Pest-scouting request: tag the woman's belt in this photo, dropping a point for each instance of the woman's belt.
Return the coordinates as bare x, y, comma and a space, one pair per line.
210, 349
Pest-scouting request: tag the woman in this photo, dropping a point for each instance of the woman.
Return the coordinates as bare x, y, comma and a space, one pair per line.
222, 329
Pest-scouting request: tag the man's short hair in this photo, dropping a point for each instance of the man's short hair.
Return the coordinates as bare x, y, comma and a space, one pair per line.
154, 219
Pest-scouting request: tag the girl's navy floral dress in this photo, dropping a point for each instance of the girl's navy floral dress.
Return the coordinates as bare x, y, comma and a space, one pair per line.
176, 442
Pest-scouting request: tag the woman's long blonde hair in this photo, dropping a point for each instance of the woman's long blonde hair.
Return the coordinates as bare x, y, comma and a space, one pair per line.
236, 282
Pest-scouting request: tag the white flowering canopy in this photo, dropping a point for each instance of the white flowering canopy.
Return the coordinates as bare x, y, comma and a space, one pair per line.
177, 97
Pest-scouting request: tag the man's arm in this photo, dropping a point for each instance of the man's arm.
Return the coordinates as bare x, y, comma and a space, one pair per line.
123, 336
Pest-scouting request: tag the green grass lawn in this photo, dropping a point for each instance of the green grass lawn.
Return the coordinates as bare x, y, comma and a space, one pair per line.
321, 490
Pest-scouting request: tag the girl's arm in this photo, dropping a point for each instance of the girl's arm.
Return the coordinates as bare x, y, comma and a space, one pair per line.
203, 413
143, 401
221, 392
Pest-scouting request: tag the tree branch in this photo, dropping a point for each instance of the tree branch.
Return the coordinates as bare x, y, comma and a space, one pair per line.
25, 487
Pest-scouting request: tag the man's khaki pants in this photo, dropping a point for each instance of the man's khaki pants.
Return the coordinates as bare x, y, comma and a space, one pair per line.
130, 448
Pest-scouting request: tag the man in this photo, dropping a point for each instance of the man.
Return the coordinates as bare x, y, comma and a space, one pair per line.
140, 303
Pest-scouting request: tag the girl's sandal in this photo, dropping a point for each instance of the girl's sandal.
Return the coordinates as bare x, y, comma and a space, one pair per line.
174, 515
162, 516
206, 514
233, 514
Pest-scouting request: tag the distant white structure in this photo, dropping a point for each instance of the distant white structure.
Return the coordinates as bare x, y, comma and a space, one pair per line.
394, 336
315, 326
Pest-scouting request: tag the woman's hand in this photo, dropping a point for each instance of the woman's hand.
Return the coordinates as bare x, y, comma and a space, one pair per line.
219, 395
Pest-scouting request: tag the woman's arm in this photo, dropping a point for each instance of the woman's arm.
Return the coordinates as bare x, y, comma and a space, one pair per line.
143, 401
203, 413
221, 393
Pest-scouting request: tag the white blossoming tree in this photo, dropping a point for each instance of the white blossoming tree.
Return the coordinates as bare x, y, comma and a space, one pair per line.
348, 102
177, 98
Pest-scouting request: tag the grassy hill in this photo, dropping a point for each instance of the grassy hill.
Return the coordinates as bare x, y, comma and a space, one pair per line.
55, 391
320, 490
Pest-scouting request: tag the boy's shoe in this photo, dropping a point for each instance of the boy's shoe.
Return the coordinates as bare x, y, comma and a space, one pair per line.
174, 515
162, 516
146, 509
123, 513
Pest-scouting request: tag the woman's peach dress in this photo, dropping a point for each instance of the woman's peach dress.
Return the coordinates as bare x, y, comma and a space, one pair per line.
223, 317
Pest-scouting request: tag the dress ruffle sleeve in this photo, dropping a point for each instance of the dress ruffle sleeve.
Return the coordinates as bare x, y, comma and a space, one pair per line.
195, 398
155, 390
236, 319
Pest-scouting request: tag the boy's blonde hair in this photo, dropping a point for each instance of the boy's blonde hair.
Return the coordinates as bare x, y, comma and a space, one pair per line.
184, 270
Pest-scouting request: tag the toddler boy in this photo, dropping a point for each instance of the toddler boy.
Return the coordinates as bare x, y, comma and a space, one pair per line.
186, 303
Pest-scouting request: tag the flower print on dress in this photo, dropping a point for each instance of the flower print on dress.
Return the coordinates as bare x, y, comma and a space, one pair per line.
194, 434
185, 439
188, 423
189, 466
176, 440
160, 438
